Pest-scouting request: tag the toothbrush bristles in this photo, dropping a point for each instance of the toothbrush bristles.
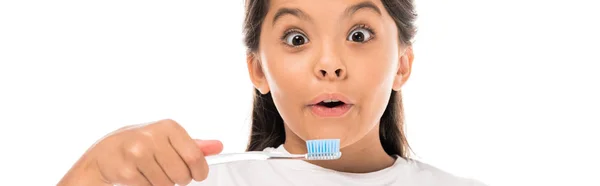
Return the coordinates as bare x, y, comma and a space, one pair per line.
324, 149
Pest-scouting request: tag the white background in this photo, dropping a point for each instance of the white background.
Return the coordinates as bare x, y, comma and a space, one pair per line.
502, 91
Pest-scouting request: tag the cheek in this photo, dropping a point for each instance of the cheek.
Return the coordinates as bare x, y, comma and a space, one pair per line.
373, 70
288, 76
285, 72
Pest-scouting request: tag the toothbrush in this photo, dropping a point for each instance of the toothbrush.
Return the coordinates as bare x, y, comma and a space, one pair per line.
325, 149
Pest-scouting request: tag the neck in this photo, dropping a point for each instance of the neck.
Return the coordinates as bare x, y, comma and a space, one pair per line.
363, 156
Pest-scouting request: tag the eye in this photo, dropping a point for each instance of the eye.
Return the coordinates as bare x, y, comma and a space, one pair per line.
360, 35
295, 39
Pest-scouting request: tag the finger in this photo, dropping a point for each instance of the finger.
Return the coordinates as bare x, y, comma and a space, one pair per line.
135, 178
172, 164
153, 172
210, 147
191, 154
127, 175
104, 169
128, 167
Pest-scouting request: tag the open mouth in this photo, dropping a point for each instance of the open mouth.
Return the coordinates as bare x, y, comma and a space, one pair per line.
331, 103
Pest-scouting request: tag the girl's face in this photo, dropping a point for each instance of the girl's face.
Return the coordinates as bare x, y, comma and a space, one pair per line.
314, 51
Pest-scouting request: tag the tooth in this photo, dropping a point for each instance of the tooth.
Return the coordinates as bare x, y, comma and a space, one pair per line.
330, 100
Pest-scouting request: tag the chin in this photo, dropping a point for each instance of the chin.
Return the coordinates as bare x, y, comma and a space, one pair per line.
347, 135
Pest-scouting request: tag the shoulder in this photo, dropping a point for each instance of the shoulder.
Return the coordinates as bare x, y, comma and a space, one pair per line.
424, 172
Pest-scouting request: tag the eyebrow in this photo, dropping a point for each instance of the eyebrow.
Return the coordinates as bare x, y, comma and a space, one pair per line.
365, 4
290, 11
348, 12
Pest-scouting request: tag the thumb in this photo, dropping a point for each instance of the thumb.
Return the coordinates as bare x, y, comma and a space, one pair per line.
209, 147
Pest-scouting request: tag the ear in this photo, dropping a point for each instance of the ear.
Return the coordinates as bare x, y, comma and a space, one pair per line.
257, 75
404, 68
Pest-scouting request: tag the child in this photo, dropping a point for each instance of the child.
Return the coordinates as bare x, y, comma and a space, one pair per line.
322, 70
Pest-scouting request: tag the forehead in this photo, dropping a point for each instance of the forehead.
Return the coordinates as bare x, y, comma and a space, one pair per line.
319, 2
316, 7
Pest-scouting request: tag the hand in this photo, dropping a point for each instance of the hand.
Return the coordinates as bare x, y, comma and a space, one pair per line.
160, 153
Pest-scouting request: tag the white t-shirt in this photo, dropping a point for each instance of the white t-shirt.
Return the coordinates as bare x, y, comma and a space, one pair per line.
301, 173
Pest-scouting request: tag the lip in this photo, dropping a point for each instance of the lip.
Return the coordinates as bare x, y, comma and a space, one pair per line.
326, 112
335, 96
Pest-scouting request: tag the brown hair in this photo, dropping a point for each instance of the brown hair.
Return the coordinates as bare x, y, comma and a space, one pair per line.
268, 126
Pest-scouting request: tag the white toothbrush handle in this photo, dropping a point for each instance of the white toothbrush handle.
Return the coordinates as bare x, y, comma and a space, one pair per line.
225, 158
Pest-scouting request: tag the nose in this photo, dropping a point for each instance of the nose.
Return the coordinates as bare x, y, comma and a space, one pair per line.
331, 74
330, 67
